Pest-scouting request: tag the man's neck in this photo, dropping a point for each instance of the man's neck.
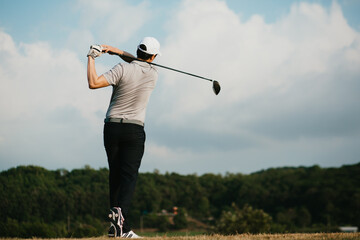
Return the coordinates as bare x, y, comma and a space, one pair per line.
148, 60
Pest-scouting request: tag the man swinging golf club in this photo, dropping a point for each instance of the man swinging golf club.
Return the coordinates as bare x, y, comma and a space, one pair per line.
124, 135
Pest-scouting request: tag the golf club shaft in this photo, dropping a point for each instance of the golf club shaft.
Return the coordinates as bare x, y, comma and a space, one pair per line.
169, 68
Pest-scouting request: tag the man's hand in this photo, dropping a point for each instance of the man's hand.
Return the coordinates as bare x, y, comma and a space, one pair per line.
127, 57
95, 51
111, 50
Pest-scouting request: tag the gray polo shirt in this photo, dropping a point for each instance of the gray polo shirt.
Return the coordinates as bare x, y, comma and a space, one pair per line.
132, 86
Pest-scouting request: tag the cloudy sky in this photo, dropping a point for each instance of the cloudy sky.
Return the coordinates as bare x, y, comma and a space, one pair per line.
289, 71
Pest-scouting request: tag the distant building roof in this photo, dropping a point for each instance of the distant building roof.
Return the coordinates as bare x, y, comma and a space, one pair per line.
348, 229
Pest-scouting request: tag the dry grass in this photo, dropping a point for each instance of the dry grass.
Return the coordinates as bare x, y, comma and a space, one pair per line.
317, 236
296, 236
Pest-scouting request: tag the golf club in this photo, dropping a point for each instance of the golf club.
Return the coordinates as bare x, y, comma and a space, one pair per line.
216, 86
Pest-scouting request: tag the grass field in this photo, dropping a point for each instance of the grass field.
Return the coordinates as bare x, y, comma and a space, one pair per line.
317, 236
296, 236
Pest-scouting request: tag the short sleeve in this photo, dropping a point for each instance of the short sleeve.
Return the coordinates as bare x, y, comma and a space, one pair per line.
114, 75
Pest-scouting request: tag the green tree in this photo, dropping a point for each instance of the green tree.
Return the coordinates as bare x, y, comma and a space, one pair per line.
246, 220
180, 219
63, 203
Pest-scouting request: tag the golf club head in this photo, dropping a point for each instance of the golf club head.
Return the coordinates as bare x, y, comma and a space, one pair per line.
216, 87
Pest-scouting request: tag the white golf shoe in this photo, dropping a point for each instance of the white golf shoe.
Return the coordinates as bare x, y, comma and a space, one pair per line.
130, 234
116, 222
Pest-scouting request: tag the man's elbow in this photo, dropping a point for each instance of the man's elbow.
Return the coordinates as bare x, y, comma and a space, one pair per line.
92, 83
99, 82
98, 85
92, 86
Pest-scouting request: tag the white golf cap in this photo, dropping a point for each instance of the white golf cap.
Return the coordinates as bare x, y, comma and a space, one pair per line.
152, 46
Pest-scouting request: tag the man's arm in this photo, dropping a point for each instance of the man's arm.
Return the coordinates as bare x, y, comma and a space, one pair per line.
127, 57
93, 79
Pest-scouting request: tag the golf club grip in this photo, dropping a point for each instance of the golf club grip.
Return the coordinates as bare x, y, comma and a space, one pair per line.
169, 68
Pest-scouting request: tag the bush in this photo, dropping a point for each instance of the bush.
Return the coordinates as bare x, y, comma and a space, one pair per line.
85, 230
180, 221
246, 220
13, 228
156, 221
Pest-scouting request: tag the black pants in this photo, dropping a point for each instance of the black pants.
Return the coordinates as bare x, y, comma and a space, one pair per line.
124, 145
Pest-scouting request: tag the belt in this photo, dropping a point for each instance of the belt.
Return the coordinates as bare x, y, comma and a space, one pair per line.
122, 120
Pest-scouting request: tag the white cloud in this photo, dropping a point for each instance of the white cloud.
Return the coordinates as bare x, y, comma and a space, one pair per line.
39, 79
180, 160
46, 107
45, 104
250, 59
296, 78
109, 21
290, 90
161, 152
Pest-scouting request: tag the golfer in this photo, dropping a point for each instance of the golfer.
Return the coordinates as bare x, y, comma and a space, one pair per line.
124, 135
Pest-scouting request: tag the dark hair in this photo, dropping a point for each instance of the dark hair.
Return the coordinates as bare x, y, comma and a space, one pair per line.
142, 55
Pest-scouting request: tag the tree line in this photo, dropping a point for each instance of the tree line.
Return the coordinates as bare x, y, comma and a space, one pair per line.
61, 203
